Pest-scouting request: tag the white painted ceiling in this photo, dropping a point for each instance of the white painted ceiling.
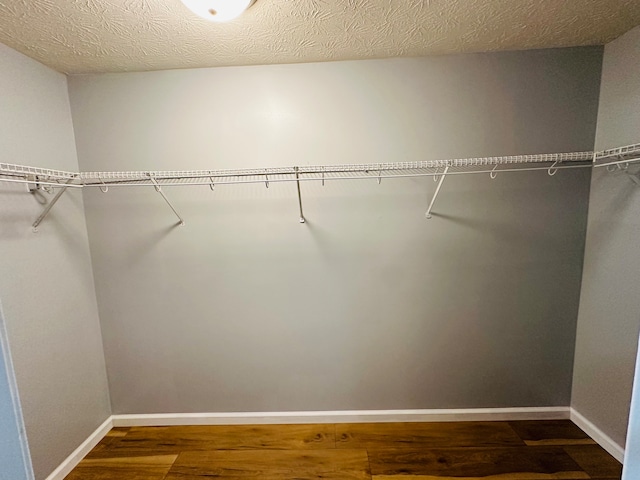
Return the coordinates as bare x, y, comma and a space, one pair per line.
84, 36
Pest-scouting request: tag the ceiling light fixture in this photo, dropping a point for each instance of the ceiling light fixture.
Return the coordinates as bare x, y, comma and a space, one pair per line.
218, 10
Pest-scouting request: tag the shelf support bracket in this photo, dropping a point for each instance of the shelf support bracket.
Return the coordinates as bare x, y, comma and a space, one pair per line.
159, 190
302, 219
435, 195
50, 205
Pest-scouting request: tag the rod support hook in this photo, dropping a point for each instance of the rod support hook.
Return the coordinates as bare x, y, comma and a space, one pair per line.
103, 188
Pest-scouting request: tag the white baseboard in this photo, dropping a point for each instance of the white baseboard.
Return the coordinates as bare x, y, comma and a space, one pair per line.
598, 435
348, 416
79, 453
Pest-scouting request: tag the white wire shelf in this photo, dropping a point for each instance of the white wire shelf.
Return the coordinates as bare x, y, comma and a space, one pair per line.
338, 172
432, 168
37, 178
618, 156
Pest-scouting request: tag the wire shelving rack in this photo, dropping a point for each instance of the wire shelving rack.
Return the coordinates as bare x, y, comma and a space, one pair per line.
40, 178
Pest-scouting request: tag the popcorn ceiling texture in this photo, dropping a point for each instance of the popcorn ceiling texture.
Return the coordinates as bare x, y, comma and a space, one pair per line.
90, 36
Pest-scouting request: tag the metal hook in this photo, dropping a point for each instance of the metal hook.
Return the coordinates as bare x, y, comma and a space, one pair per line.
493, 173
104, 188
379, 177
323, 176
552, 170
212, 185
436, 177
266, 183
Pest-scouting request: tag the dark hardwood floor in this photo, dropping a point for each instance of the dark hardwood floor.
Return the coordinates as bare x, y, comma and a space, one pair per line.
527, 450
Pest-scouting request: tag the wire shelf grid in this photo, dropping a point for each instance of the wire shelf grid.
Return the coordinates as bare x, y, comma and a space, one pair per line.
432, 168
333, 172
618, 156
36, 178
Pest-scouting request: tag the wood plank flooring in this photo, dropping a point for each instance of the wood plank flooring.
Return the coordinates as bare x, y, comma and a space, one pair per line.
538, 450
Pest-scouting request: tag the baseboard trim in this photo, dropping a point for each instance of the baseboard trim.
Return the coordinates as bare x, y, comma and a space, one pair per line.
79, 453
598, 435
347, 416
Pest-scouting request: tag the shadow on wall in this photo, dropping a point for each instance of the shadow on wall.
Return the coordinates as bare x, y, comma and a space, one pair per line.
620, 197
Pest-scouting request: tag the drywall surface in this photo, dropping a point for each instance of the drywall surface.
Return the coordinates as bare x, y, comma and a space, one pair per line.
46, 282
368, 305
14, 450
609, 317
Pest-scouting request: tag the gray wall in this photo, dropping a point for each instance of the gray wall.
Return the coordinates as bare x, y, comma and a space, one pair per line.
46, 281
368, 305
609, 319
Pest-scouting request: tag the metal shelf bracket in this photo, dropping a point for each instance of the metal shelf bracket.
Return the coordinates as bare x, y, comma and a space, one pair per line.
435, 195
302, 219
49, 206
159, 190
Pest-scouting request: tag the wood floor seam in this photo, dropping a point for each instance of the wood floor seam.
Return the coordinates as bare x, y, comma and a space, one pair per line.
369, 464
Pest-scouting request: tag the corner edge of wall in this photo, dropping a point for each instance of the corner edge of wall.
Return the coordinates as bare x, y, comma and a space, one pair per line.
79, 453
604, 440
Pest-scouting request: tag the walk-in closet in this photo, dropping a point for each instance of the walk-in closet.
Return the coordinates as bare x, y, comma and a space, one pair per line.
372, 240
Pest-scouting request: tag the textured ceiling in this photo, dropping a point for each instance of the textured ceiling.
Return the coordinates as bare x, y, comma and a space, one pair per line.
83, 36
